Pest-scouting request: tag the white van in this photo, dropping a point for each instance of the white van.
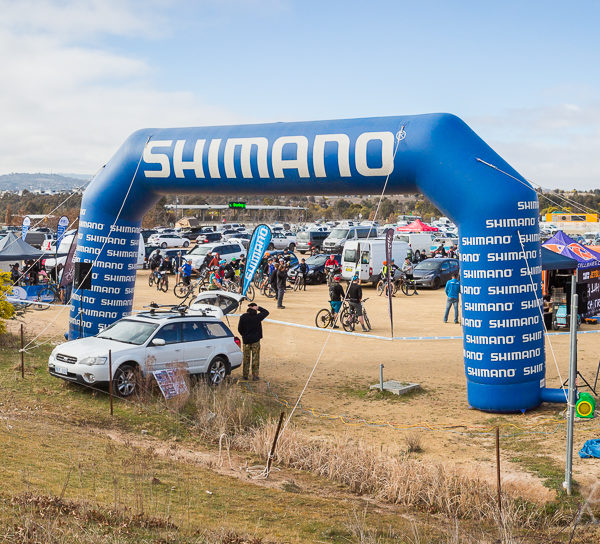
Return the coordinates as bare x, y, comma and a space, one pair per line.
372, 254
420, 242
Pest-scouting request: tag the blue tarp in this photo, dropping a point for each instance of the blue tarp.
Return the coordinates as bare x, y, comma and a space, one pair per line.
556, 261
590, 449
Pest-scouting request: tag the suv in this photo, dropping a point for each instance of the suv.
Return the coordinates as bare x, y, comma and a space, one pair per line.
150, 341
226, 250
435, 272
169, 239
310, 240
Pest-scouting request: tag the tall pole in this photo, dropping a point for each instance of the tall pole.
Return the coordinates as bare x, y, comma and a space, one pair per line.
568, 484
498, 482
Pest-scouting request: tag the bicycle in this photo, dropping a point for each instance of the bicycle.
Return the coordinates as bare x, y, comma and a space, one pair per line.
162, 282
298, 282
48, 295
184, 290
350, 318
325, 317
268, 291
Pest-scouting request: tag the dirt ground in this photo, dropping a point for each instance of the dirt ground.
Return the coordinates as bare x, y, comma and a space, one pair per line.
450, 432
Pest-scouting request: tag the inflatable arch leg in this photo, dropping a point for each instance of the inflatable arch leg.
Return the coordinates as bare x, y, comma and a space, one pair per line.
436, 154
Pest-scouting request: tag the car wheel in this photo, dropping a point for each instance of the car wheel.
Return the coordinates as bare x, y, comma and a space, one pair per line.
417, 255
126, 380
436, 283
292, 246
271, 246
217, 371
163, 245
186, 244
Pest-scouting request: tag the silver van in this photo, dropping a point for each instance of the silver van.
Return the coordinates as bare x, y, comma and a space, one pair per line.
310, 241
334, 243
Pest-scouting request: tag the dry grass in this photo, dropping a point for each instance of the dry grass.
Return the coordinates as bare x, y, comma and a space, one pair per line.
395, 479
414, 442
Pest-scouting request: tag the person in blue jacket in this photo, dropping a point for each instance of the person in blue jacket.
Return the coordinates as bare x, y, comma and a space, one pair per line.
186, 272
452, 292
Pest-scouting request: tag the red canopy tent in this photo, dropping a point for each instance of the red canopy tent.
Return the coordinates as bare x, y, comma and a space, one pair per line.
417, 226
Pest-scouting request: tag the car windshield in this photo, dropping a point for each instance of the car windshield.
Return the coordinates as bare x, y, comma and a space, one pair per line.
200, 250
337, 234
428, 264
128, 331
317, 260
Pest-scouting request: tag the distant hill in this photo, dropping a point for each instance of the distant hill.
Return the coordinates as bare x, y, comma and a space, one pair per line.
55, 182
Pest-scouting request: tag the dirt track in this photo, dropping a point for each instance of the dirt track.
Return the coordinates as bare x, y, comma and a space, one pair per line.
349, 364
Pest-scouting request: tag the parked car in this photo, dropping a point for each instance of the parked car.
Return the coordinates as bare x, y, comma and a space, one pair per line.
168, 240
283, 240
147, 342
209, 237
226, 250
175, 256
369, 262
241, 238
146, 233
316, 269
311, 240
435, 272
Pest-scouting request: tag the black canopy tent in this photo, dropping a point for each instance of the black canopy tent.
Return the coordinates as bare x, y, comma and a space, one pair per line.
13, 248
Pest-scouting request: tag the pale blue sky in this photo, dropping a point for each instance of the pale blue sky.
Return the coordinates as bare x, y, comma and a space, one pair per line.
80, 76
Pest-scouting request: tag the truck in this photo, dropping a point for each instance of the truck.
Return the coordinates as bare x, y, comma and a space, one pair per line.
365, 257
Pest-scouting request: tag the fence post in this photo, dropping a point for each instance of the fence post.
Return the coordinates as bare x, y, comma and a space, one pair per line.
498, 469
22, 353
110, 381
272, 453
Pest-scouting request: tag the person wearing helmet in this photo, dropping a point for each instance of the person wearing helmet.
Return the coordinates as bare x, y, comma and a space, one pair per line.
331, 267
228, 271
336, 297
354, 296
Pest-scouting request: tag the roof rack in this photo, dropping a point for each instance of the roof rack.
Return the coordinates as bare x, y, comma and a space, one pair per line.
181, 309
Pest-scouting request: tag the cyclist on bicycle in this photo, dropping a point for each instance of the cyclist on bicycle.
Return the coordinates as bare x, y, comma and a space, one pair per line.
206, 262
186, 272
303, 271
355, 301
336, 296
331, 266
155, 260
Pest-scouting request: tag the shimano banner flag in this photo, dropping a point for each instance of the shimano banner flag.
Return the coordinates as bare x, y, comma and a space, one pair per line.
25, 226
63, 223
389, 273
261, 238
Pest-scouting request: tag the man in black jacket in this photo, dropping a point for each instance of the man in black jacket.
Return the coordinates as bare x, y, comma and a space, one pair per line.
250, 327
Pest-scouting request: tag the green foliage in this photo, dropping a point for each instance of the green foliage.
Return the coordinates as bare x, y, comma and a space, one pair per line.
7, 310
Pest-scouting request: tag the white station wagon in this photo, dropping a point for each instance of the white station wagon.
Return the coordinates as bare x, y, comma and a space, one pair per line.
155, 340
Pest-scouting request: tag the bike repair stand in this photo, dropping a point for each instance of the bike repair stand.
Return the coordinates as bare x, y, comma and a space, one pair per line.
593, 389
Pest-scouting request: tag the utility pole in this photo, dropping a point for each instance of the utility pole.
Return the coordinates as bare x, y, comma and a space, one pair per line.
568, 483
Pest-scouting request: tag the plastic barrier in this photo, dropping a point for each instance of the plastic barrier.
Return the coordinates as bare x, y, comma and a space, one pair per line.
436, 154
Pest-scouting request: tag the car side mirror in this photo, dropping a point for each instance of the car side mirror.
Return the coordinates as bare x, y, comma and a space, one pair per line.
158, 342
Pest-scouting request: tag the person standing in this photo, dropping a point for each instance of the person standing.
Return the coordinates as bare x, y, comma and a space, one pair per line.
250, 327
303, 271
452, 292
355, 301
186, 272
282, 274
336, 297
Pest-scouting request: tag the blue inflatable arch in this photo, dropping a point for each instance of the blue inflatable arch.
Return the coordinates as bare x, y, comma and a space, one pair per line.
436, 154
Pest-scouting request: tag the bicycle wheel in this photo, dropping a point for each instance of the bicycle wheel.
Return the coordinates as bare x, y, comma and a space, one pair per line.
347, 318
380, 286
151, 279
250, 293
409, 288
366, 319
46, 296
181, 290
164, 284
323, 318
268, 291
257, 280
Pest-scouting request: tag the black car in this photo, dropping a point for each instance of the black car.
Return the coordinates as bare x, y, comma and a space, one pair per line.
435, 272
209, 238
146, 233
316, 268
